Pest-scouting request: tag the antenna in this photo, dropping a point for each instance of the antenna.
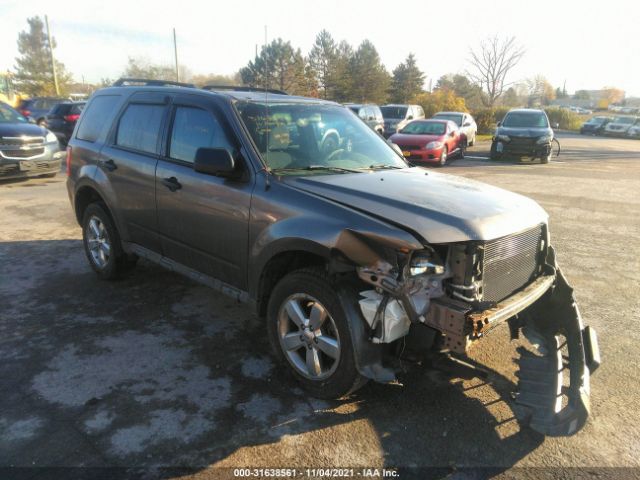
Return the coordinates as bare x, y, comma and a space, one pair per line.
266, 94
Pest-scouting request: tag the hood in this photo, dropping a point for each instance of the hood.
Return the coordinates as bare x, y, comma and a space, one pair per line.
524, 132
405, 139
437, 207
19, 129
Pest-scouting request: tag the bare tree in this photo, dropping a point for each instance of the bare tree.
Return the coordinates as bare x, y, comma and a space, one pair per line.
491, 64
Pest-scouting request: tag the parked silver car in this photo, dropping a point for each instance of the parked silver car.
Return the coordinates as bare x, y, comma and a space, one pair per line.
465, 122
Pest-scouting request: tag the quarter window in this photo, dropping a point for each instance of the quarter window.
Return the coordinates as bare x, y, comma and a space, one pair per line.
194, 128
98, 115
139, 127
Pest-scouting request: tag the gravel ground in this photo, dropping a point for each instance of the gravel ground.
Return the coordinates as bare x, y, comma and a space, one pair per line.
155, 371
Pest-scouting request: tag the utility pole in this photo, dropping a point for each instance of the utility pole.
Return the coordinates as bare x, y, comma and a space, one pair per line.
175, 52
53, 62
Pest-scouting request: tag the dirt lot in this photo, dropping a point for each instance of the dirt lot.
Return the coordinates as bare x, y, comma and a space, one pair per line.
156, 371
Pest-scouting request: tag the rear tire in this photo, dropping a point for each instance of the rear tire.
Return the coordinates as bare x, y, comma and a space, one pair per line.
102, 244
309, 332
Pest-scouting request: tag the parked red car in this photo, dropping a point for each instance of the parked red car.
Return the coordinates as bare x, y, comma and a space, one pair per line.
431, 141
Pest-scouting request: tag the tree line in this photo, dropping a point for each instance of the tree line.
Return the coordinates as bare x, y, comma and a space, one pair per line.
332, 70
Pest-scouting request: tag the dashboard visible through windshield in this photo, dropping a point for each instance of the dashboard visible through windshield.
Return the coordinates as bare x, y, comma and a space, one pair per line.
297, 139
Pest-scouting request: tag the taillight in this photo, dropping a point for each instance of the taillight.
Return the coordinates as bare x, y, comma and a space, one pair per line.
72, 118
25, 113
68, 161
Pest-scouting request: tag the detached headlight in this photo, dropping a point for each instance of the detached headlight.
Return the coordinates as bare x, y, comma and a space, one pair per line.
545, 139
425, 262
433, 145
503, 138
51, 137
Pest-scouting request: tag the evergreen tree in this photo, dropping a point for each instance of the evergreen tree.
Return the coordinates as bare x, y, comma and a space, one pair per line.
323, 60
34, 75
281, 67
407, 81
370, 79
342, 79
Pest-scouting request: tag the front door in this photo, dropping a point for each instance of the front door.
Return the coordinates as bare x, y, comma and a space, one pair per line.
203, 220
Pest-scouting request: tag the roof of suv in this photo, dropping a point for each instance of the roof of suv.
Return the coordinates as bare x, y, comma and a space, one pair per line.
231, 92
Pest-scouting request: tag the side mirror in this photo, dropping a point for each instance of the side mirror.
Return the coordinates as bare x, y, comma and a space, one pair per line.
410, 117
466, 124
498, 124
214, 161
555, 125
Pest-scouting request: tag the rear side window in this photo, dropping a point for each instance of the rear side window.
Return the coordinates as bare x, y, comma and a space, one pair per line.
61, 109
98, 116
194, 128
139, 127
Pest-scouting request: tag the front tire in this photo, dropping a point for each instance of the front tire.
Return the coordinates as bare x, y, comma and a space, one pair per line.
443, 156
494, 154
309, 332
102, 244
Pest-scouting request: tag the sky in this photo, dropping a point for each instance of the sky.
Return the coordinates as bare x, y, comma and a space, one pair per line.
589, 45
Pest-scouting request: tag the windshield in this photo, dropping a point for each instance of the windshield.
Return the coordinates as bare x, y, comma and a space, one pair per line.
393, 112
526, 120
624, 120
9, 115
297, 139
597, 120
450, 116
425, 128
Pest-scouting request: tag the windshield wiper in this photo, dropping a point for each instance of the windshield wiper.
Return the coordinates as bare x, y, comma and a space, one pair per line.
384, 167
317, 167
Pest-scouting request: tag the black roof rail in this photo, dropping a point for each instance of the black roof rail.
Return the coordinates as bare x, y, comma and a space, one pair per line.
128, 81
242, 88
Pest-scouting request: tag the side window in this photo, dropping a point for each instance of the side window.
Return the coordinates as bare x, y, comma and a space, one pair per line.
139, 127
195, 128
98, 115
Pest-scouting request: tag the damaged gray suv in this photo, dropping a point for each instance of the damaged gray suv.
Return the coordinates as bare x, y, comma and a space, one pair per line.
351, 256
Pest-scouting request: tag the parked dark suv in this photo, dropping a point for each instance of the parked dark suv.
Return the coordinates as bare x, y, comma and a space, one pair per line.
355, 259
62, 119
523, 132
26, 150
36, 108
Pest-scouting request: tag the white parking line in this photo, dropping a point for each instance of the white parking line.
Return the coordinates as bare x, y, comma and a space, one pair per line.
476, 158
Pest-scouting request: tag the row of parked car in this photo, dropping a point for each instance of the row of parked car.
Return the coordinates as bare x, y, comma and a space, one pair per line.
620, 126
435, 140
58, 115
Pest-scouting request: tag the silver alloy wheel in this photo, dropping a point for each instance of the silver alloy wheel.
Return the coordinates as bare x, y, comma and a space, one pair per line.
308, 336
443, 156
98, 242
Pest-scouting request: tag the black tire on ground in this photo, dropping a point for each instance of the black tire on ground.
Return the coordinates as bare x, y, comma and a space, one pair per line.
313, 282
443, 156
494, 154
118, 262
461, 151
473, 140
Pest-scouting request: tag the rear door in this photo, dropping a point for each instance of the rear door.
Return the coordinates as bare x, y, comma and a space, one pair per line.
129, 162
203, 220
